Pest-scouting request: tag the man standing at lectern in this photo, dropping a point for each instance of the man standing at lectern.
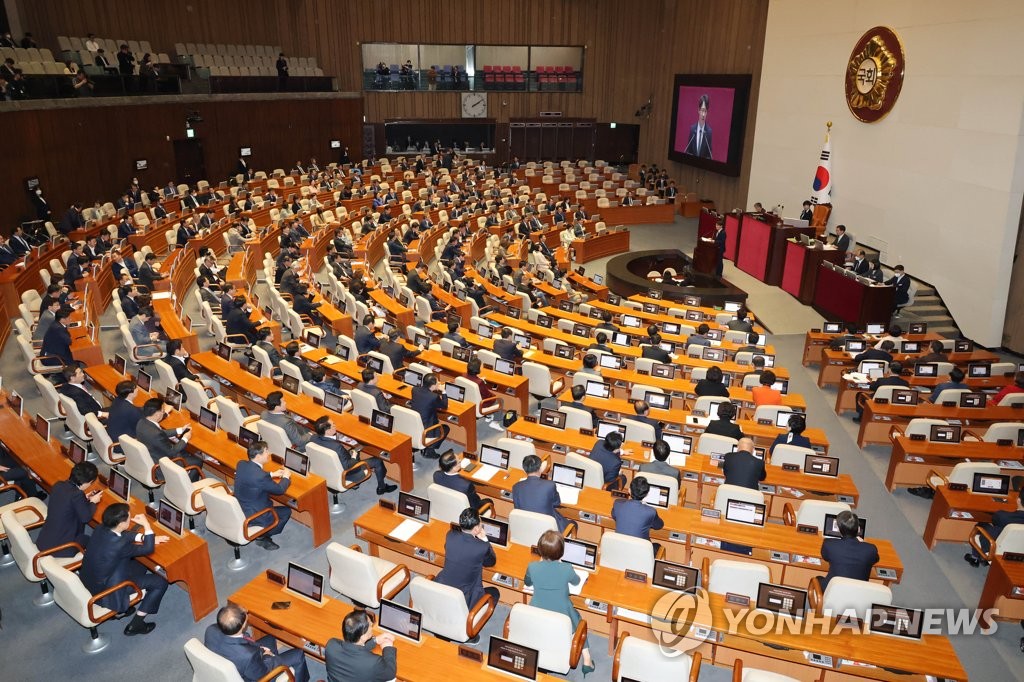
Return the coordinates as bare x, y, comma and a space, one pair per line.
699, 143
719, 238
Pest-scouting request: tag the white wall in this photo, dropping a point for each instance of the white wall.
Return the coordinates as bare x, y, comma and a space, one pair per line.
938, 182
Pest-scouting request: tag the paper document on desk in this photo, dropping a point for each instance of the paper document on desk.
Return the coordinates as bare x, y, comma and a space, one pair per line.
639, 616
305, 347
157, 295
331, 359
576, 589
568, 494
485, 472
677, 459
405, 530
1010, 464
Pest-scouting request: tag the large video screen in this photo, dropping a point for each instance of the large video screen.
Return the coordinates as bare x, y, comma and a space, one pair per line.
709, 116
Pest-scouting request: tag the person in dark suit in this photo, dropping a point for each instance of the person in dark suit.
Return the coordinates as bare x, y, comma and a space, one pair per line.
427, 400
956, 381
891, 377
642, 410
1000, 520
69, 510
158, 440
937, 353
189, 201
108, 561
742, 468
700, 337
538, 495
353, 660
466, 553
253, 659
369, 386
699, 142
579, 392
365, 336
253, 488
608, 453
719, 238
660, 465
859, 264
122, 415
326, 436
806, 213
654, 351
57, 341
842, 239
74, 388
632, 516
184, 233
447, 475
601, 343
848, 556
73, 271
148, 274
417, 281
901, 281
396, 351
875, 273
506, 348
795, 436
711, 384
238, 321
883, 353
724, 425
454, 335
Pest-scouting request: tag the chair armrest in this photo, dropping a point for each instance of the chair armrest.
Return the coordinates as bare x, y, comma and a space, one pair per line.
894, 433
617, 484
249, 519
192, 467
111, 456
788, 515
251, 419
971, 434
695, 666
399, 568
556, 386
356, 548
276, 673
40, 368
935, 480
616, 659
570, 530
156, 475
17, 510
737, 671
431, 440
210, 393
973, 542
660, 554
705, 566
579, 641
486, 509
138, 346
53, 550
488, 405
197, 495
485, 605
237, 339
94, 600
814, 595
357, 467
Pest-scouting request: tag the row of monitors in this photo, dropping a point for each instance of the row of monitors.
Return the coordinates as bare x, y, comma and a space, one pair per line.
876, 328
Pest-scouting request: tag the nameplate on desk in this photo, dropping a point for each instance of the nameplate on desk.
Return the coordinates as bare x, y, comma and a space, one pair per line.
791, 467
313, 648
780, 556
621, 494
275, 577
1013, 556
636, 576
709, 514
917, 436
737, 599
363, 419
806, 528
815, 331
643, 372
587, 432
1004, 442
529, 420
881, 401
589, 517
886, 573
645, 443
765, 422
558, 447
847, 499
957, 487
702, 413
676, 536
386, 504
471, 654
949, 403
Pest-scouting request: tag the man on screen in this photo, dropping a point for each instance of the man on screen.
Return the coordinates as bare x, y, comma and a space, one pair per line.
699, 143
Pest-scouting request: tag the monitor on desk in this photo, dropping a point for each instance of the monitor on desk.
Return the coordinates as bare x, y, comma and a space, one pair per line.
979, 370
604, 428
782, 418
254, 367
552, 418
874, 329
386, 328
120, 485
692, 300
581, 330
945, 433
564, 352
671, 328
414, 507
208, 418
598, 279
580, 554
485, 331
42, 427
965, 346
565, 306
832, 328
676, 577
658, 400
296, 461
496, 457
335, 402
620, 339
503, 366
412, 377
926, 369
990, 484
170, 517
313, 339
400, 620
598, 389
544, 321
821, 465
910, 347
872, 367
650, 308
750, 513
905, 396
342, 352
679, 445
663, 370
658, 496
563, 474
375, 363
76, 451
173, 398
715, 334
732, 306
667, 346
462, 354
630, 321
917, 328
609, 361
855, 345
513, 312
521, 340
788, 601
382, 420
831, 529
656, 294
497, 531
713, 354
455, 392
782, 386
693, 316
895, 621
290, 384
612, 298
120, 363
305, 583
16, 402
144, 380
247, 437
512, 659
975, 399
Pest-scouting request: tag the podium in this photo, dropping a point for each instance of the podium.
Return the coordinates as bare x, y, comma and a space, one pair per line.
800, 271
838, 296
762, 246
732, 236
705, 254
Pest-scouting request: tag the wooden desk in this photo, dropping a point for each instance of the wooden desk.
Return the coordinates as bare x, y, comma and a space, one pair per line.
877, 419
800, 272
599, 246
954, 513
172, 325
184, 559
912, 460
846, 397
1004, 589
836, 363
839, 297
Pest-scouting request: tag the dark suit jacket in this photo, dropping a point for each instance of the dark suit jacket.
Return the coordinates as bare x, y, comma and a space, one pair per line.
902, 288
177, 366
610, 461
459, 485
593, 414
73, 271
84, 401
58, 342
365, 340
873, 354
157, 440
396, 352
656, 353
108, 562
238, 322
148, 276
720, 242
508, 350
860, 268
663, 468
68, 512
843, 243
724, 427
798, 440
254, 486
465, 557
633, 517
538, 495
349, 662
245, 654
122, 418
712, 388
848, 558
644, 419
382, 400
743, 469
704, 149
427, 404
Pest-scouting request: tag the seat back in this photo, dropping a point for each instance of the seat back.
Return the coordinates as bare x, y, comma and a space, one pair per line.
137, 461
728, 492
164, 378
770, 412
539, 377
593, 474
193, 395
638, 432
849, 596
208, 666
664, 481
177, 485
923, 426
549, 632
576, 418
275, 436
710, 443
101, 441
790, 454
517, 449
353, 574
290, 369
950, 395
737, 577
625, 552
1011, 539
363, 404
73, 418
812, 512
410, 423
446, 504
23, 548
443, 607
963, 472
1000, 431
224, 515
642, 660
1012, 399
703, 403
230, 414
265, 364
325, 464
69, 592
526, 527
51, 399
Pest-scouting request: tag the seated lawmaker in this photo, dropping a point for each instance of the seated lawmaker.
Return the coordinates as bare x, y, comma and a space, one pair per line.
326, 436
1000, 520
252, 658
70, 508
795, 436
848, 556
956, 380
642, 414
351, 659
632, 516
763, 393
890, 377
659, 464
538, 495
724, 426
608, 453
1010, 389
467, 552
253, 489
448, 476
741, 467
712, 384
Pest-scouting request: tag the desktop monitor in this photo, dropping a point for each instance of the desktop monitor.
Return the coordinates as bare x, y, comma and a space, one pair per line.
552, 418
598, 279
497, 531
612, 298
120, 363
620, 339
732, 306
895, 621
208, 418
715, 334
713, 354
254, 367
400, 620
905, 396
832, 327
656, 294
675, 576
521, 340
667, 346
658, 400
691, 300
581, 330
973, 399
144, 380
630, 321
343, 352
485, 331
544, 321
680, 445
15, 401
917, 328
855, 345
658, 496
412, 377
565, 306
693, 316
462, 354
944, 433
335, 402
782, 418
290, 384
223, 351
963, 346
663, 370
580, 554
598, 389
745, 512
247, 437
874, 329
76, 451
979, 369
609, 361
926, 369
513, 312
782, 386
496, 457
305, 583
821, 465
869, 366
173, 398
414, 507
386, 328
503, 366
604, 428
296, 461
170, 517
382, 420
42, 427
376, 364
910, 347
670, 328
564, 352
831, 529
990, 484
781, 599
119, 484
313, 339
513, 659
455, 392
563, 474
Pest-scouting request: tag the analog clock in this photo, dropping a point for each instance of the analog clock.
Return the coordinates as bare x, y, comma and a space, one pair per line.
474, 105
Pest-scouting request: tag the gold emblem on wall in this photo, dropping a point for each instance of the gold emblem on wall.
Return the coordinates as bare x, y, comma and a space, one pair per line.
874, 74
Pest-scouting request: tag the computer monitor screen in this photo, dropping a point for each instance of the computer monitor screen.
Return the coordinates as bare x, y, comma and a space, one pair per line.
855, 345
972, 399
170, 517
781, 599
563, 474
917, 328
910, 347
76, 451
670, 328
305, 583
630, 321
990, 484
290, 384
874, 329
831, 529
173, 398
144, 380
15, 401
313, 339
579, 553
782, 418
208, 419
609, 361
821, 465
678, 444
654, 293
120, 363
296, 461
545, 321
343, 352
223, 351
659, 401
376, 364
693, 316
455, 392
496, 457
598, 279
979, 369
412, 377
334, 402
503, 366
745, 512
485, 331
869, 366
675, 576
691, 300
942, 433
667, 346
663, 370
254, 367
782, 386
713, 354
521, 340
565, 306
414, 507
715, 334
119, 484
514, 659
386, 328
564, 352
400, 620
621, 339
382, 420
552, 418
732, 306
581, 330
497, 531
598, 389
832, 327
963, 346
604, 428
513, 312
42, 427
247, 437
926, 369
905, 396
896, 621
461, 353
658, 496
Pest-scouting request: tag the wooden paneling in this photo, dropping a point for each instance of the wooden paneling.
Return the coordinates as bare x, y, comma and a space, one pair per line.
88, 153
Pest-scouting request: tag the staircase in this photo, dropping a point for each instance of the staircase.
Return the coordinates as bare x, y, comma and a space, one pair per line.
928, 307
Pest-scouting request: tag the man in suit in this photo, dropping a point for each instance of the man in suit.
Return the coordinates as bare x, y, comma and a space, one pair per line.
74, 388
326, 436
699, 142
148, 274
901, 281
842, 239
660, 465
108, 562
122, 415
724, 426
454, 335
700, 337
642, 410
579, 392
57, 341
7, 254
467, 552
352, 659
277, 414
447, 475
417, 280
73, 270
601, 343
238, 322
365, 336
102, 61
396, 351
590, 368
253, 488
883, 352
253, 659
890, 377
538, 495
139, 329
190, 201
184, 233
506, 348
46, 318
428, 399
608, 453
1000, 520
742, 468
69, 510
158, 440
719, 238
711, 384
632, 516
651, 347
369, 386
848, 556
937, 353
859, 264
